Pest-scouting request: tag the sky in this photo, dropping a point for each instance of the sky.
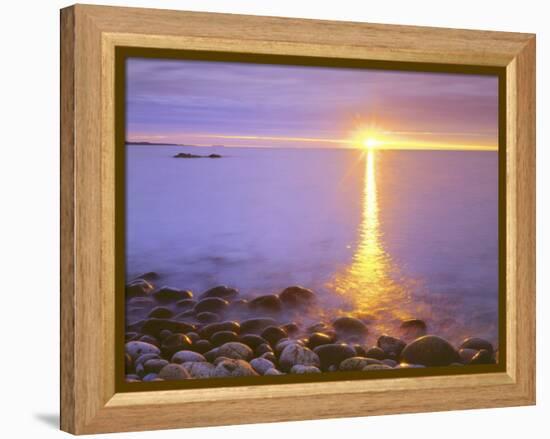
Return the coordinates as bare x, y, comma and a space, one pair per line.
208, 103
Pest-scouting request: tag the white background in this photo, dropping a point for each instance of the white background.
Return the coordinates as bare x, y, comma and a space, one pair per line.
29, 218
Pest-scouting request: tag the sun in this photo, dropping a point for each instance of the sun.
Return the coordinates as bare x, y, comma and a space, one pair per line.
371, 142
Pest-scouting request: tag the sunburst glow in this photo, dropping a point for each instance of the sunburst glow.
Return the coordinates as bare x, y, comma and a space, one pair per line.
371, 142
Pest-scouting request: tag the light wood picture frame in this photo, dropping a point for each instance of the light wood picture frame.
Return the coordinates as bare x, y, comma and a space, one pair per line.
91, 402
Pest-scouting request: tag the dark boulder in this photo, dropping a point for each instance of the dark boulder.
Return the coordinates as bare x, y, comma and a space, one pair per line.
413, 328
257, 325
252, 340
211, 304
174, 343
391, 346
222, 292
273, 334
477, 344
222, 337
430, 350
333, 354
349, 326
483, 356
297, 296
154, 326
267, 303
208, 317
168, 294
208, 330
138, 288
318, 339
161, 312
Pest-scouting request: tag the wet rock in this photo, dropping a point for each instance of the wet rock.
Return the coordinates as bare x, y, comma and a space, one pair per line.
389, 362
282, 344
137, 348
300, 369
199, 369
154, 326
261, 365
318, 339
318, 327
208, 317
233, 368
429, 350
150, 339
168, 295
222, 292
357, 363
256, 325
138, 287
391, 346
161, 312
268, 303
252, 340
185, 315
154, 365
164, 333
262, 349
273, 334
413, 328
222, 337
466, 355
269, 356
234, 350
193, 336
376, 352
174, 343
150, 377
333, 354
291, 328
132, 378
145, 357
376, 367
143, 302
149, 276
483, 356
181, 357
186, 304
349, 326
130, 336
211, 304
477, 344
297, 296
294, 354
172, 372
409, 366
360, 351
208, 330
273, 372
202, 346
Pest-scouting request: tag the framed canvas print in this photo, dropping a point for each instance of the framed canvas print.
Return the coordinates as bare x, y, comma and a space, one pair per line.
273, 219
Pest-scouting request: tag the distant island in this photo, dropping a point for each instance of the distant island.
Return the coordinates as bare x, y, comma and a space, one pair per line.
185, 155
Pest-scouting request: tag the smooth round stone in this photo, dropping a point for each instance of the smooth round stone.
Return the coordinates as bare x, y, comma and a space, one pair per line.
430, 350
154, 326
466, 355
150, 339
149, 276
269, 356
273, 372
376, 367
234, 350
294, 354
349, 326
376, 352
208, 317
317, 327
291, 328
256, 325
390, 345
360, 351
252, 340
211, 304
193, 336
150, 377
137, 348
181, 357
131, 336
233, 368
132, 378
268, 303
333, 354
297, 296
141, 301
261, 365
172, 372
145, 357
174, 343
357, 363
208, 330
186, 304
413, 328
238, 306
185, 315
221, 292
279, 347
161, 312
409, 366
199, 369
222, 337
300, 369
477, 344
154, 365
138, 287
202, 346
389, 362
262, 349
168, 294
273, 334
483, 356
318, 339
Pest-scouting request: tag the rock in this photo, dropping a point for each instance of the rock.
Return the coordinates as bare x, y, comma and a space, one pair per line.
273, 334
174, 343
149, 276
208, 330
257, 325
349, 326
150, 339
202, 346
294, 354
333, 354
150, 377
185, 315
143, 302
167, 295
429, 350
145, 357
483, 356
291, 328
238, 306
466, 355
413, 328
132, 378
199, 369
161, 312
252, 340
376, 367
164, 333
317, 327
261, 365
262, 349
300, 369
137, 348
268, 303
269, 356
235, 351
186, 304
139, 287
409, 366
214, 156
297, 296
357, 363
391, 346
376, 352
208, 317
279, 347
211, 304
154, 365
233, 368
222, 337
172, 372
222, 292
187, 155
389, 362
318, 339
181, 357
193, 336
477, 344
360, 351
130, 336
273, 372
154, 326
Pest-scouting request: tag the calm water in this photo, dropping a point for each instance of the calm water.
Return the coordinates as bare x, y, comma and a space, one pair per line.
384, 235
